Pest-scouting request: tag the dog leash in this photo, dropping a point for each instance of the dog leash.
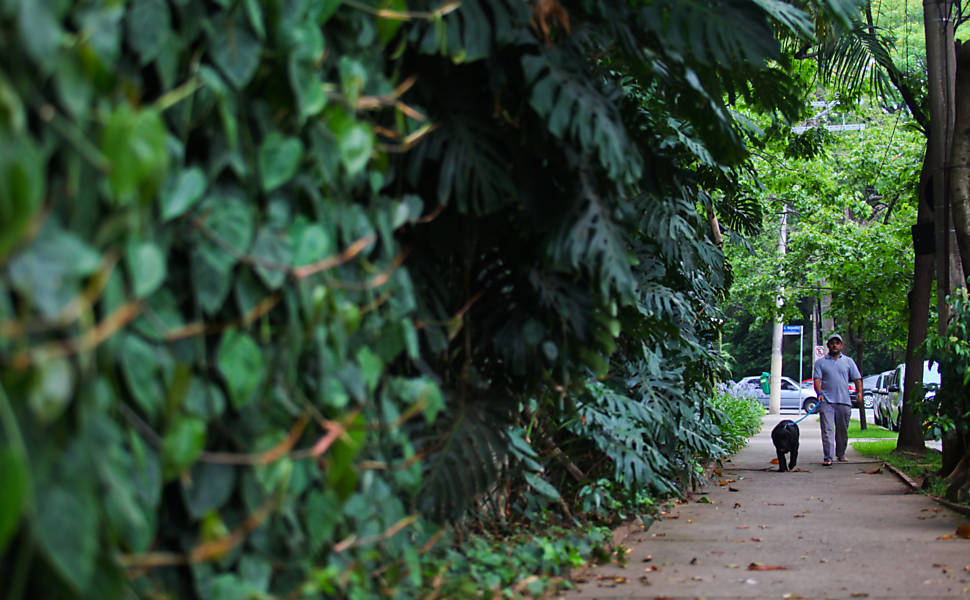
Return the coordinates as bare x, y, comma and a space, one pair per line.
818, 401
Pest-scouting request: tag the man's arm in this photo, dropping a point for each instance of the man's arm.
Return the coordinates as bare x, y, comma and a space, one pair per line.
858, 391
818, 386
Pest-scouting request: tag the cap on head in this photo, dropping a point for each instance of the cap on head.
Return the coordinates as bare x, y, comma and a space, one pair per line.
834, 336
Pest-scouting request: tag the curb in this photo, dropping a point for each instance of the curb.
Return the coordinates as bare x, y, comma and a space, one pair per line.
916, 487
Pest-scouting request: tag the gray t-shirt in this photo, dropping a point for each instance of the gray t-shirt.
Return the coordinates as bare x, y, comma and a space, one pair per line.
836, 373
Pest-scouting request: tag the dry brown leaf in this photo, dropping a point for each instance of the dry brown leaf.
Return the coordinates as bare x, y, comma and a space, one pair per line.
774, 461
648, 558
859, 595
798, 516
733, 489
760, 567
743, 527
652, 569
948, 536
737, 505
964, 531
755, 539
874, 471
644, 580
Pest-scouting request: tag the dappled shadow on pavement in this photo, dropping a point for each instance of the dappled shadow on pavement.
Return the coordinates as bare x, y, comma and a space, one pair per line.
851, 530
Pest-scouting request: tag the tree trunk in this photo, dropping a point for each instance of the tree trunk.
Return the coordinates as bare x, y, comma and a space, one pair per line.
956, 460
941, 78
960, 156
910, 430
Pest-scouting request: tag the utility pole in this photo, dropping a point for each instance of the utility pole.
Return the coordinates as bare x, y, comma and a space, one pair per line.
774, 398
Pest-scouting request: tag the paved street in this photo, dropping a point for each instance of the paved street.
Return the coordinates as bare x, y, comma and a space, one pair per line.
852, 530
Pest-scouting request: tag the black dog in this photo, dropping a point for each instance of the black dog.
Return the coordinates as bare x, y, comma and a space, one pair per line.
785, 438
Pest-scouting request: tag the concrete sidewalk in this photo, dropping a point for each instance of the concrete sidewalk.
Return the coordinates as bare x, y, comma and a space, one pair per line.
821, 532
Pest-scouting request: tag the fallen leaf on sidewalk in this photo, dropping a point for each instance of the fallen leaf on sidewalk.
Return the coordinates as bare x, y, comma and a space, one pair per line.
648, 558
737, 505
860, 595
760, 567
732, 489
874, 471
774, 461
964, 531
743, 527
798, 516
948, 536
727, 481
755, 539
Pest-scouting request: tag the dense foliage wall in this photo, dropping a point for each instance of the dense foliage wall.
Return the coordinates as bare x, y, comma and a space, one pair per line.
285, 285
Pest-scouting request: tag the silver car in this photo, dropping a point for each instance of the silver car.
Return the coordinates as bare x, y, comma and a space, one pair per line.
793, 397
869, 385
893, 408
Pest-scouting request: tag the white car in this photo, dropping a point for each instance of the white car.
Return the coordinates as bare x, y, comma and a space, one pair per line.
793, 397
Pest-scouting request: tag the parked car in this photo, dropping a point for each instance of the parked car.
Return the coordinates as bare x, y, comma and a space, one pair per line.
893, 405
880, 398
793, 397
869, 389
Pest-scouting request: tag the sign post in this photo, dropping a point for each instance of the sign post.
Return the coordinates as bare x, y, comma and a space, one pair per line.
796, 330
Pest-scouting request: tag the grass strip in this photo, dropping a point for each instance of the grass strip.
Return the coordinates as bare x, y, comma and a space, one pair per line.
872, 431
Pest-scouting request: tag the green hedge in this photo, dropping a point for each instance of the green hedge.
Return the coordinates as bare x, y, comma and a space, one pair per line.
286, 284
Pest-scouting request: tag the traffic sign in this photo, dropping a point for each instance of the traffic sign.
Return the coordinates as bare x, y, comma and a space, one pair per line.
791, 329
819, 352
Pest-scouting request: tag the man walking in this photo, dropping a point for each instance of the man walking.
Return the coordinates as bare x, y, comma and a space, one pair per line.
832, 374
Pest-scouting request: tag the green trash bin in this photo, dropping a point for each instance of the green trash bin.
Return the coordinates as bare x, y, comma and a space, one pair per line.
765, 383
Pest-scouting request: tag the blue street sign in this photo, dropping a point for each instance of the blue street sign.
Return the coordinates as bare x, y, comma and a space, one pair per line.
791, 329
